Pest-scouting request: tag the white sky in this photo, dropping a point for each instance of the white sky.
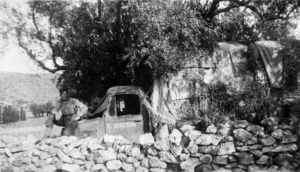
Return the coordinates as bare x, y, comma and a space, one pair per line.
14, 59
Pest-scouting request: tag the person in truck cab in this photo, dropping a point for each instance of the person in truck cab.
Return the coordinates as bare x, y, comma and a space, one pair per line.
66, 115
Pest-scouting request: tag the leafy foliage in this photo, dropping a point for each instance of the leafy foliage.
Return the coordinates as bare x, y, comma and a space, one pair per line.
291, 54
252, 104
236, 22
40, 109
124, 42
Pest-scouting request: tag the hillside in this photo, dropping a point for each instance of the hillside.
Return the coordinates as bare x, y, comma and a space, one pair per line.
37, 88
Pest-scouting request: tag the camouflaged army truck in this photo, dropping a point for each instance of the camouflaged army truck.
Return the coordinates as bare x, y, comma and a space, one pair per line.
121, 112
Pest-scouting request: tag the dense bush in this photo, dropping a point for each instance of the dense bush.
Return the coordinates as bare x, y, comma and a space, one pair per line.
39, 110
252, 104
10, 114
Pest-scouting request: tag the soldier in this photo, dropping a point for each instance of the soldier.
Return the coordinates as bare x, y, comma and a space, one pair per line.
66, 115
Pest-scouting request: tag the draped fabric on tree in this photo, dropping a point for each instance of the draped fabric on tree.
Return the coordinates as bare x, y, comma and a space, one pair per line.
273, 64
228, 66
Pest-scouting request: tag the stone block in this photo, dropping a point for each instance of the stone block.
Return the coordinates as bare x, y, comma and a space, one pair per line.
240, 124
114, 165
226, 148
242, 135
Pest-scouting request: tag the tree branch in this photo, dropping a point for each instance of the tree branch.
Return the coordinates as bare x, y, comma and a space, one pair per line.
34, 58
227, 9
99, 9
213, 7
292, 10
255, 10
39, 36
118, 16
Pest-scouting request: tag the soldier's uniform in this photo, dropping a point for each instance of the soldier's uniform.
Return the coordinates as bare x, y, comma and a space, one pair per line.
66, 116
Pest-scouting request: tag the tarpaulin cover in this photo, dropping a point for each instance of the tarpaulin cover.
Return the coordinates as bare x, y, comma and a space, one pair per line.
229, 67
268, 51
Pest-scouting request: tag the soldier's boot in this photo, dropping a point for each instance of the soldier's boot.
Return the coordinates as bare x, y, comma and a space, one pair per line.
48, 132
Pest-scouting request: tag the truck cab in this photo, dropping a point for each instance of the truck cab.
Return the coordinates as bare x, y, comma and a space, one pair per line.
121, 112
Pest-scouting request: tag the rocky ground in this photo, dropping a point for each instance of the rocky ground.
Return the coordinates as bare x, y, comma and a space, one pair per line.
235, 146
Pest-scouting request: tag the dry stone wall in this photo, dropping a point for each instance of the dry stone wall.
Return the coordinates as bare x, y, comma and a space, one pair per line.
236, 146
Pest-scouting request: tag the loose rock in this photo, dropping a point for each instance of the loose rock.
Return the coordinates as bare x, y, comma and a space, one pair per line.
224, 130
212, 129
204, 167
193, 148
167, 157
206, 159
145, 162
70, 167
252, 141
256, 153
242, 135
127, 167
141, 169
162, 145
256, 129
186, 128
63, 157
267, 141
223, 159
146, 139
193, 134
154, 162
291, 138
240, 124
285, 148
282, 159
207, 149
103, 156
135, 152
175, 137
278, 134
245, 158
190, 164
50, 168
157, 170
263, 160
97, 167
152, 151
226, 148
163, 133
114, 165
208, 139
184, 157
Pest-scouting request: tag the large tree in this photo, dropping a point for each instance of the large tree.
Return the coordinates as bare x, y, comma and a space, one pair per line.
130, 42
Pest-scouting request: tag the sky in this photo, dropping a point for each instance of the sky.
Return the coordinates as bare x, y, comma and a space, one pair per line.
14, 59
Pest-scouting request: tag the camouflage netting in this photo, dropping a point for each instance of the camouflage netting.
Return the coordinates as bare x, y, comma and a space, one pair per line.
193, 91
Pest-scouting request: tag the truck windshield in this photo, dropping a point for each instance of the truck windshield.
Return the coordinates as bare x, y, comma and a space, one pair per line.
127, 104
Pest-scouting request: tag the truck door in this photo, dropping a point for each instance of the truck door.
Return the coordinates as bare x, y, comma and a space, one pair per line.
124, 116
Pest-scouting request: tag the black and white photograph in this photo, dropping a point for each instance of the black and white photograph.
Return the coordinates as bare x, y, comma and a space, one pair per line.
149, 85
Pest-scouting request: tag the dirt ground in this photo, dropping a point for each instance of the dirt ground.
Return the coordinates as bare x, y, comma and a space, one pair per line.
34, 126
